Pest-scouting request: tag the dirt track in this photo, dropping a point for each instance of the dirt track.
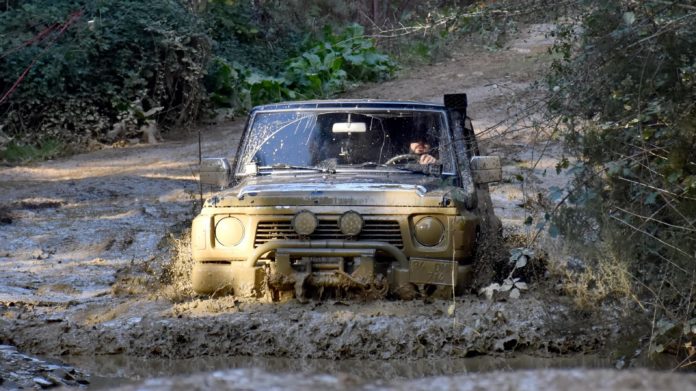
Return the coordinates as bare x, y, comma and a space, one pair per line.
88, 241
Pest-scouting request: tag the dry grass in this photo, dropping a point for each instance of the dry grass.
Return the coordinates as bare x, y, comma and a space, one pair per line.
608, 278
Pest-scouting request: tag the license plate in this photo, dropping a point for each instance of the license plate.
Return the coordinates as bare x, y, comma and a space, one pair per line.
428, 271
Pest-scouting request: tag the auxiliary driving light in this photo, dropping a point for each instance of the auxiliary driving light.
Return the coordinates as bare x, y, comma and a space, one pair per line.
429, 231
305, 222
350, 223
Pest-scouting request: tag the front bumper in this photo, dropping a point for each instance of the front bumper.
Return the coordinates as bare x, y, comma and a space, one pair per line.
286, 268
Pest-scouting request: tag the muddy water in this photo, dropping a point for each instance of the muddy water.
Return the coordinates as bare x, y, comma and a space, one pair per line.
123, 371
108, 371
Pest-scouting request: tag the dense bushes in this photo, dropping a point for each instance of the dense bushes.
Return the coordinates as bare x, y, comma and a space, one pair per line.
115, 62
324, 67
625, 84
103, 70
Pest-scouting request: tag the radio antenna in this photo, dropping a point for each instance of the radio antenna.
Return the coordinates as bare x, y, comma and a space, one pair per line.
200, 161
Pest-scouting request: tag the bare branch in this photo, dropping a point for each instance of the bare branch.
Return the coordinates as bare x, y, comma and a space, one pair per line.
659, 240
649, 218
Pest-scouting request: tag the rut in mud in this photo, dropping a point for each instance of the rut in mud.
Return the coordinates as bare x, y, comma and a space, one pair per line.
84, 242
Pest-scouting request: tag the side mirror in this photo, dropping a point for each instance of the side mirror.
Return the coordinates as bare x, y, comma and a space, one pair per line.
486, 169
215, 172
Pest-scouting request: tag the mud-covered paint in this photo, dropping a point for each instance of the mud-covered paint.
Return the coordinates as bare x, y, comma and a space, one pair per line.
267, 198
407, 190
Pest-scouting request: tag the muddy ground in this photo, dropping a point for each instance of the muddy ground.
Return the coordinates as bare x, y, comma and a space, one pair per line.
85, 242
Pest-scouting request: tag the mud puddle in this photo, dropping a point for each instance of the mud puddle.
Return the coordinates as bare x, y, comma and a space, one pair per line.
109, 371
124, 371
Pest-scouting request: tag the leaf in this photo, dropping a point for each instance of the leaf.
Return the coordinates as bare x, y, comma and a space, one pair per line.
521, 286
521, 262
651, 198
515, 294
554, 231
665, 326
355, 59
674, 176
507, 285
647, 134
613, 168
313, 59
528, 220
490, 290
451, 309
564, 163
254, 78
629, 18
689, 182
555, 193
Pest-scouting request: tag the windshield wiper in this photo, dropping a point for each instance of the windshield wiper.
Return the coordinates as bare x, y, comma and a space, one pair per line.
285, 166
427, 169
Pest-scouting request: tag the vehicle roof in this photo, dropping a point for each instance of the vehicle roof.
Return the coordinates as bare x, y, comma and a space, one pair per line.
350, 103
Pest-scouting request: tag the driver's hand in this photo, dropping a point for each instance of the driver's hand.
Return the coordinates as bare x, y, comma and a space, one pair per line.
427, 159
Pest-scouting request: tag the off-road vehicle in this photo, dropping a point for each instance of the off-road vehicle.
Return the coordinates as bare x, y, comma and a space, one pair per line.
334, 196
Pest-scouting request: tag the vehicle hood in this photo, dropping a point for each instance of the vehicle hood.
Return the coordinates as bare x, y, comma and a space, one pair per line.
398, 189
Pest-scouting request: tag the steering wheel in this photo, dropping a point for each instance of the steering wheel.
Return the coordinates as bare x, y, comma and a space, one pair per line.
405, 156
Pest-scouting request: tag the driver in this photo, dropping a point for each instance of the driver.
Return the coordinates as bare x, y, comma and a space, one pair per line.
421, 147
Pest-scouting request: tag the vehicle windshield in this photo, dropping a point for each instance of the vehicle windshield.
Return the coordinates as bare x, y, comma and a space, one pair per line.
303, 139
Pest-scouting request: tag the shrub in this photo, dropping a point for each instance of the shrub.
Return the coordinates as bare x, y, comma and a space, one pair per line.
103, 70
323, 69
87, 72
625, 85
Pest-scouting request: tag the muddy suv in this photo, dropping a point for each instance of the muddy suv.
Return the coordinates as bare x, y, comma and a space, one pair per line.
367, 196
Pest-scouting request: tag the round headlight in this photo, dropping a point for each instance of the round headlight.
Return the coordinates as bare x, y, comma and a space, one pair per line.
229, 231
305, 222
429, 231
350, 223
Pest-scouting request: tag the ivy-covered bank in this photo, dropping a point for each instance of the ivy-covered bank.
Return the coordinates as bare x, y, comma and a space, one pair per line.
72, 71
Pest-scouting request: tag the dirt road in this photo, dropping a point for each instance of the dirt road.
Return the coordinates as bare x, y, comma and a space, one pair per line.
88, 238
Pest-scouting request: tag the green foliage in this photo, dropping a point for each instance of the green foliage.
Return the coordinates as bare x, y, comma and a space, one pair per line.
116, 53
625, 84
45, 149
335, 59
120, 60
244, 34
323, 69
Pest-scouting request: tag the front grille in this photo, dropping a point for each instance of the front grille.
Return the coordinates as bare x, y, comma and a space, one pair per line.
379, 230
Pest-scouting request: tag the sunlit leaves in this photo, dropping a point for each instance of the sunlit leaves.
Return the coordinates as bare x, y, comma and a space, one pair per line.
323, 69
511, 286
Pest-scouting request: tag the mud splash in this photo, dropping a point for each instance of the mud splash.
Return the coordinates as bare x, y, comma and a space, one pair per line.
331, 330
